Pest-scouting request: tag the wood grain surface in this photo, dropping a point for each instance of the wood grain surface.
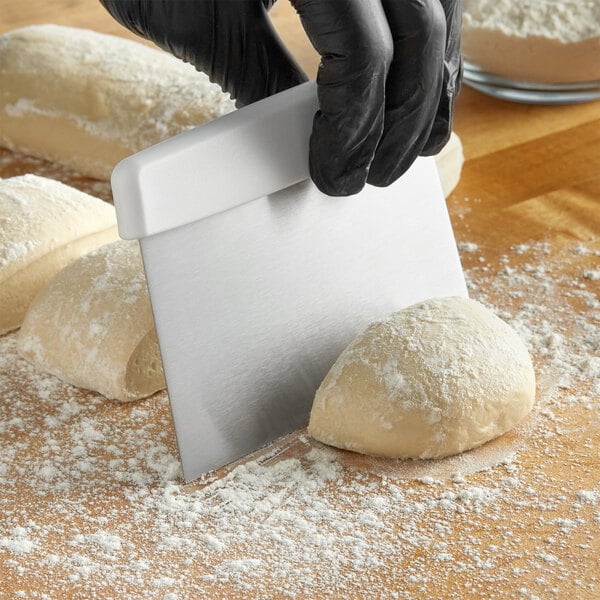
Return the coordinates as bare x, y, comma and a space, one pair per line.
517, 518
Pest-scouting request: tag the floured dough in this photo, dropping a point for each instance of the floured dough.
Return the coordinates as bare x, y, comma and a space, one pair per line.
92, 326
87, 100
449, 163
44, 225
432, 380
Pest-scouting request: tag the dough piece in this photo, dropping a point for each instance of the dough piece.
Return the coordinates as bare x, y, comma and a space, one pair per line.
92, 326
449, 163
87, 100
432, 380
44, 225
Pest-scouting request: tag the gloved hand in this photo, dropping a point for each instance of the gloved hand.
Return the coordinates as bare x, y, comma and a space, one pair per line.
389, 72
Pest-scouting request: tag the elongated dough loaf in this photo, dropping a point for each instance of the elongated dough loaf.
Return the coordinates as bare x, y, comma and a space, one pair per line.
44, 225
87, 100
92, 326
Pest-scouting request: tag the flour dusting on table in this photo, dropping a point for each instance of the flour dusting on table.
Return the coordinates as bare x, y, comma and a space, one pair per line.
301, 520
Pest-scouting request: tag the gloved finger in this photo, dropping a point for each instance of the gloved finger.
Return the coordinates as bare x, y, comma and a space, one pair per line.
413, 85
232, 41
355, 44
261, 65
442, 126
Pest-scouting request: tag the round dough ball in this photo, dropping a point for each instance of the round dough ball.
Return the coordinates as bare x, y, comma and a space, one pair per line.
92, 325
432, 380
87, 100
44, 225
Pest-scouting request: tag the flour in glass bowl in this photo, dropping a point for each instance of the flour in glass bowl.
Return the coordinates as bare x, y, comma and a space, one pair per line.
545, 41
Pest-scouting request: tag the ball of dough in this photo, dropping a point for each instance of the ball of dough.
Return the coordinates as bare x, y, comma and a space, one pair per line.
92, 325
432, 380
87, 100
44, 225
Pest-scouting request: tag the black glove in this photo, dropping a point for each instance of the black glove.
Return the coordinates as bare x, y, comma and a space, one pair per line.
389, 73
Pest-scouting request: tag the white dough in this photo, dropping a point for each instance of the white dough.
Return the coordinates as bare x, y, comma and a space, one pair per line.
449, 163
432, 380
87, 100
92, 325
44, 225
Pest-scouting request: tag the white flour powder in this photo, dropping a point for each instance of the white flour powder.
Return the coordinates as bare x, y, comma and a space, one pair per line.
92, 504
552, 41
568, 21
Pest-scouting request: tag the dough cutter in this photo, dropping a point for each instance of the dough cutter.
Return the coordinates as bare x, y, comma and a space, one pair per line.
257, 280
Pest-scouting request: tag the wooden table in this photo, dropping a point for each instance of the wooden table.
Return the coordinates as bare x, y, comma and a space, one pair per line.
91, 504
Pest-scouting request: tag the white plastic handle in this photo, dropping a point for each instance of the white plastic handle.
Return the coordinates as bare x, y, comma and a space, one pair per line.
242, 156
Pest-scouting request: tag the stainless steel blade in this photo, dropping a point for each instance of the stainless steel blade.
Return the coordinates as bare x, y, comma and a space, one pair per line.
253, 305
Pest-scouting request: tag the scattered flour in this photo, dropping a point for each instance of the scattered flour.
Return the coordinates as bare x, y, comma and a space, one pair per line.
93, 504
10, 253
593, 275
467, 247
